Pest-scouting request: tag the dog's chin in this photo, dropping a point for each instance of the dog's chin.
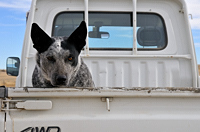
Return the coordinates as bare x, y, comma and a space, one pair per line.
54, 83
59, 85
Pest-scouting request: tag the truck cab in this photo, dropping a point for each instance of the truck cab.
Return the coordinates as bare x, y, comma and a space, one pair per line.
129, 43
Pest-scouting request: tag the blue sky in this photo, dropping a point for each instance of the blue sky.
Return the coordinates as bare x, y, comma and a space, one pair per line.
12, 28
13, 24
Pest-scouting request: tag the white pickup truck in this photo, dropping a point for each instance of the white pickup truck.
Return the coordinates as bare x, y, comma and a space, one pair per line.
142, 59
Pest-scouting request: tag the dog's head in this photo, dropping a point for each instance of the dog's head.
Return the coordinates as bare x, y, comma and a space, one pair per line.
58, 58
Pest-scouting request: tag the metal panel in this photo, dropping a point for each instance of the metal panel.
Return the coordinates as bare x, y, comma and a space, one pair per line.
90, 114
134, 72
137, 72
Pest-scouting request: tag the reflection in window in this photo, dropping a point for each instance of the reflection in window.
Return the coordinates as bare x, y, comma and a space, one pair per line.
12, 67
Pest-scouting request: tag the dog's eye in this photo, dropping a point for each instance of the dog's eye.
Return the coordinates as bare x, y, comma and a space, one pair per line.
70, 58
50, 58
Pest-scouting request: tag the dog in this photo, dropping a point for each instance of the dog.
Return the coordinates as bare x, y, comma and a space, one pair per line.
58, 61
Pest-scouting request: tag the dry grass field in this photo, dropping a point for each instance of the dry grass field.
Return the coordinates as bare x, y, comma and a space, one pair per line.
199, 69
9, 81
5, 80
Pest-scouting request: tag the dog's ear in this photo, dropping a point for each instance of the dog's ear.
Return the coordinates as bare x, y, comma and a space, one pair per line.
78, 36
41, 41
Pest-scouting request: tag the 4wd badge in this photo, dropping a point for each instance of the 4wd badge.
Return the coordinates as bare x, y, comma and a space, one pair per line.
42, 129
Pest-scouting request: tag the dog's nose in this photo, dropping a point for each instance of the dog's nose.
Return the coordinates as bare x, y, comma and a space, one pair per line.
61, 79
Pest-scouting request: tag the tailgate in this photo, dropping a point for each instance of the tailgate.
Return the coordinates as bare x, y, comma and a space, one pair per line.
102, 109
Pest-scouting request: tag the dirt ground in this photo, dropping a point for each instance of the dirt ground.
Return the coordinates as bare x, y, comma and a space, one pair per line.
9, 81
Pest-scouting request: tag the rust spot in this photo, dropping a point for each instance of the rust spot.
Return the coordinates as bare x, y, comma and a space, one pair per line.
149, 91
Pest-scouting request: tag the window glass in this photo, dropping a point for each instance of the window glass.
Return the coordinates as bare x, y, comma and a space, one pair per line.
110, 30
151, 32
115, 30
65, 23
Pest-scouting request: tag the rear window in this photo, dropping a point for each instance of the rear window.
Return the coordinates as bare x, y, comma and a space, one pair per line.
115, 30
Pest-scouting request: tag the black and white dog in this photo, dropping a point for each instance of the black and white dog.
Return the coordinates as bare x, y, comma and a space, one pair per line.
58, 61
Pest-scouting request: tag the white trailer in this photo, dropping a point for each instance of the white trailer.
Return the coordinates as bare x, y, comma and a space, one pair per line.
142, 58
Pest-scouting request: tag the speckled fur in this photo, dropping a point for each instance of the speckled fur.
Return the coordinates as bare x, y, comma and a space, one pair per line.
46, 72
